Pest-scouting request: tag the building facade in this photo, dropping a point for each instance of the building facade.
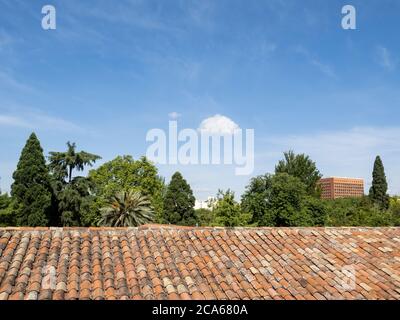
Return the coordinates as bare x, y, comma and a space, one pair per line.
205, 204
336, 187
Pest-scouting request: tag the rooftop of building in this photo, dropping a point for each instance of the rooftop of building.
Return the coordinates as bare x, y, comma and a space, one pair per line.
171, 262
336, 177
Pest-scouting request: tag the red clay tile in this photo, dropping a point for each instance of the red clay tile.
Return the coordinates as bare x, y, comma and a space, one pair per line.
170, 262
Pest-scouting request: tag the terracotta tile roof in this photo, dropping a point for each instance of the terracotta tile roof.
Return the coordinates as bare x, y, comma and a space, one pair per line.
169, 262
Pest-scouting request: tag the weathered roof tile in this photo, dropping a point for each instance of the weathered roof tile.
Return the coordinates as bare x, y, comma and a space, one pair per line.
169, 262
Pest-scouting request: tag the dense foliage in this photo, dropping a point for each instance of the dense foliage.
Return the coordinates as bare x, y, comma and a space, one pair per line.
378, 190
71, 194
302, 167
357, 212
204, 217
227, 212
128, 192
124, 174
127, 209
31, 190
281, 200
179, 202
62, 164
6, 216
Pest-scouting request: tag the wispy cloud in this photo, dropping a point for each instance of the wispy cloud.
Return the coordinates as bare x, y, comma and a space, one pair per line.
38, 122
199, 13
324, 68
385, 58
137, 14
9, 81
315, 61
8, 120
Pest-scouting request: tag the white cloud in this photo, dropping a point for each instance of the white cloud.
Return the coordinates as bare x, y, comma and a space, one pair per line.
385, 58
218, 124
174, 115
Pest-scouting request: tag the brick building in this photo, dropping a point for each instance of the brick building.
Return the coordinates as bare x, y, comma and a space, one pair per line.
335, 187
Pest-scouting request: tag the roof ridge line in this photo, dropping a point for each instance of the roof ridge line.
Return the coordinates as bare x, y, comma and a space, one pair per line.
177, 227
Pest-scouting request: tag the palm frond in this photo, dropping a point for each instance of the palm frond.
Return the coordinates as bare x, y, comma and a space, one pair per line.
127, 209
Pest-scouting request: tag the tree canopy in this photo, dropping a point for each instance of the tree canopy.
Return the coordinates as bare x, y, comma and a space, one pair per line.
179, 202
227, 211
62, 164
31, 190
302, 167
72, 198
378, 191
357, 212
6, 216
280, 200
127, 209
123, 174
128, 192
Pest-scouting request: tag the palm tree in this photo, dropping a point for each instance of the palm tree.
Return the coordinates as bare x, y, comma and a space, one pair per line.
127, 209
63, 163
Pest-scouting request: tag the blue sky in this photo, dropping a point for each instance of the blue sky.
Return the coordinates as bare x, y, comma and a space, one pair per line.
112, 70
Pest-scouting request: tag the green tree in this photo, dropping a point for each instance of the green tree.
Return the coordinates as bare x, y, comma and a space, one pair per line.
378, 191
127, 209
122, 174
74, 201
179, 202
73, 197
302, 167
395, 209
357, 212
256, 200
286, 201
281, 200
316, 211
31, 190
227, 211
204, 217
63, 163
6, 216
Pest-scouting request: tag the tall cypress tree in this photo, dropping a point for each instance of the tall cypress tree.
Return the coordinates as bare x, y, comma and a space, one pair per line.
31, 190
378, 191
179, 202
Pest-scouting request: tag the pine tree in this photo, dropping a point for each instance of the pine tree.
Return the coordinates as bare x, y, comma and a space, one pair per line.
378, 191
179, 202
31, 190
